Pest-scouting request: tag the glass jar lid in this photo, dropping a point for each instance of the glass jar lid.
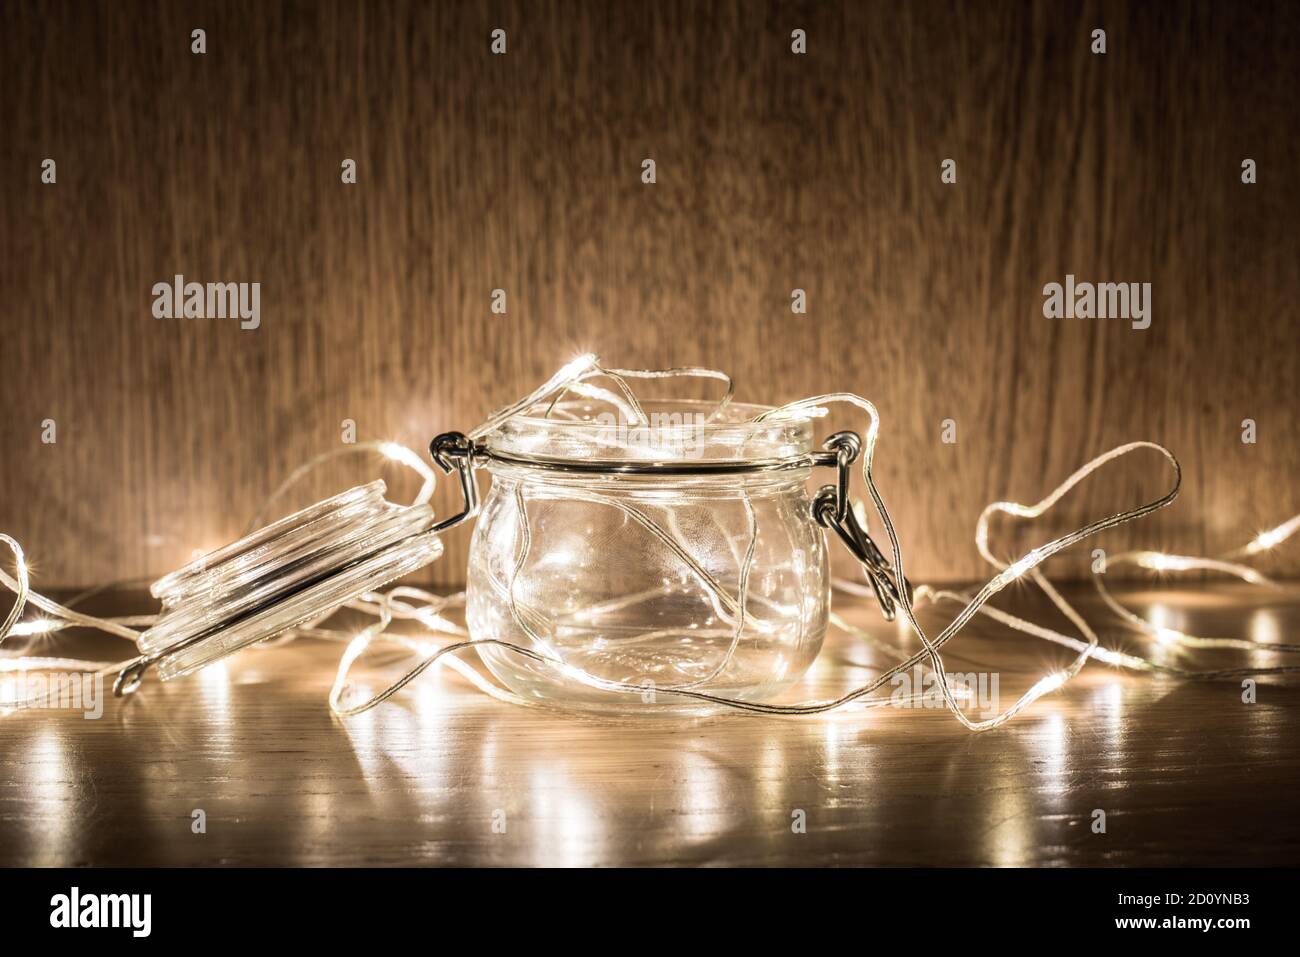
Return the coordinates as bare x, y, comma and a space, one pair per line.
282, 576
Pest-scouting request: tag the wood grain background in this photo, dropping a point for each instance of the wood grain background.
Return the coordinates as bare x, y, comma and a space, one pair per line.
522, 171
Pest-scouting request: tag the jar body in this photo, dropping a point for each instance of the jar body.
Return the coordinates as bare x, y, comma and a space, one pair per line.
713, 584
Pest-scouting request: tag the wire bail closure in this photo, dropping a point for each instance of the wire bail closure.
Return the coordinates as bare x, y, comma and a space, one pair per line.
832, 508
455, 450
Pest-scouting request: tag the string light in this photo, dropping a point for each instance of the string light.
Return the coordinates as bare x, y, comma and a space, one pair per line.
1047, 685
1160, 561
428, 610
1026, 565
37, 626
1273, 537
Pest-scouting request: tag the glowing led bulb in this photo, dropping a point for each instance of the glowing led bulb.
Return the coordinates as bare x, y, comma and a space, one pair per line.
1161, 562
37, 626
1274, 536
1018, 568
1047, 685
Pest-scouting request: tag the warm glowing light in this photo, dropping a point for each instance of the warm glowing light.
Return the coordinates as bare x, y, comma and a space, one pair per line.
396, 452
37, 626
1047, 685
404, 602
1162, 562
1118, 658
1018, 568
575, 367
1274, 536
1169, 636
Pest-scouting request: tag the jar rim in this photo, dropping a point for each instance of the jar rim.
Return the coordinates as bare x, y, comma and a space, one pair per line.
676, 431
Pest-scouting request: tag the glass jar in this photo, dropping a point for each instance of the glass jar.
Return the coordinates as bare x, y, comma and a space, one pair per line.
682, 554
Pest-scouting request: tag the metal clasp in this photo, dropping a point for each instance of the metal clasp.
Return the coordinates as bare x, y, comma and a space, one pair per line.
455, 450
833, 509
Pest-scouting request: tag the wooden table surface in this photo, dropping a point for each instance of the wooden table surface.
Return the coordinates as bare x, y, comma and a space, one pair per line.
1186, 773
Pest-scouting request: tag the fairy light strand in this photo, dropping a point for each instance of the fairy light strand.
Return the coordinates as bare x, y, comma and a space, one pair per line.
1027, 564
427, 609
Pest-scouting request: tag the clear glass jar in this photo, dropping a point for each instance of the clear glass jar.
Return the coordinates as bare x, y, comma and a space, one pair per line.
711, 581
